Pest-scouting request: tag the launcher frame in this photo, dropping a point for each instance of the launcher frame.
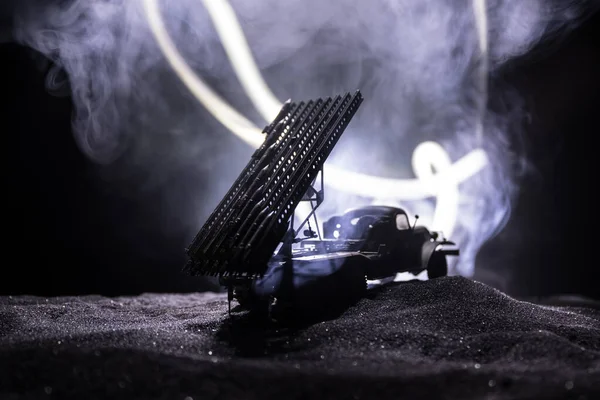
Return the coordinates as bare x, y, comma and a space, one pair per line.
256, 216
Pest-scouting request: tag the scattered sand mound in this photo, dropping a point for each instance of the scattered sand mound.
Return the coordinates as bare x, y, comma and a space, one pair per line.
446, 338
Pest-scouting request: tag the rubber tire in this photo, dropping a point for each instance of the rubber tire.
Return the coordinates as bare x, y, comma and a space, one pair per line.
437, 266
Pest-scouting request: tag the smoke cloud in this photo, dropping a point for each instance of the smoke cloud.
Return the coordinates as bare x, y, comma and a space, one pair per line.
418, 64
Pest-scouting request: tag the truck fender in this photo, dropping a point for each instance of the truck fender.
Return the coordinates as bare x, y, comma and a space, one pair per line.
427, 251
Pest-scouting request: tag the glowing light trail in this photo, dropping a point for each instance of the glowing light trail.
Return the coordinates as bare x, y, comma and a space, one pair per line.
234, 41
481, 24
443, 185
225, 114
430, 155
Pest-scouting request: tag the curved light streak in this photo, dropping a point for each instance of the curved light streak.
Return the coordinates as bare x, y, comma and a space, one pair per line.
481, 24
238, 51
446, 208
225, 114
405, 189
443, 184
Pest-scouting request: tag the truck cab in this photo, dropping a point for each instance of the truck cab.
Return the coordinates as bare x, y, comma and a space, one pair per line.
387, 231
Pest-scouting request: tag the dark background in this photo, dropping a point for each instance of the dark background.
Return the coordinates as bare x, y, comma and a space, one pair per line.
63, 228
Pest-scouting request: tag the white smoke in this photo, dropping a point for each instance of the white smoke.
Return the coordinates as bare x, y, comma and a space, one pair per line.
418, 63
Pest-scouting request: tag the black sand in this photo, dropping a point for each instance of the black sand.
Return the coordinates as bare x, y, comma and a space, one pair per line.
450, 338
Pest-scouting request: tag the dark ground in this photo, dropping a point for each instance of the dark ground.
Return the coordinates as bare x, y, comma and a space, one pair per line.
449, 338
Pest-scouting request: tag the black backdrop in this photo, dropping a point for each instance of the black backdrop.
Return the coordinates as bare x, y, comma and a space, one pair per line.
61, 230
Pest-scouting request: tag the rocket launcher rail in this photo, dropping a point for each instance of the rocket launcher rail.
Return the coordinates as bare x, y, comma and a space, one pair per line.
240, 236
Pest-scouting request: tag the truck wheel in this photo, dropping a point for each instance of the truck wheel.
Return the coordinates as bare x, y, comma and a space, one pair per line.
438, 266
